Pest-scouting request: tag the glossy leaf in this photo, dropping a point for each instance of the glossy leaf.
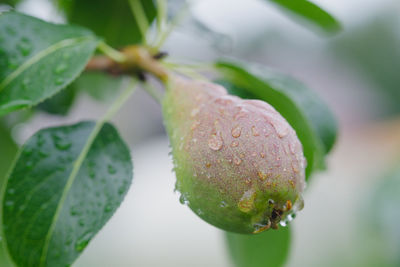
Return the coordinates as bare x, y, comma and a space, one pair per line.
38, 59
268, 249
309, 12
66, 184
307, 114
112, 20
8, 150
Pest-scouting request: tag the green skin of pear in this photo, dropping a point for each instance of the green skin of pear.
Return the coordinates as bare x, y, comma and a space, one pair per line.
239, 164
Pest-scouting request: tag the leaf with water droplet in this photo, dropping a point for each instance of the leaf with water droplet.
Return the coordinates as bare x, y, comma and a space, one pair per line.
302, 108
34, 54
61, 186
8, 152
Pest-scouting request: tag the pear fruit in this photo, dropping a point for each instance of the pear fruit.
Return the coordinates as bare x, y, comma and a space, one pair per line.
239, 164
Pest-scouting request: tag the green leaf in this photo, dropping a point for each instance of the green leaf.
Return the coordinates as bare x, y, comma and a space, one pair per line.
65, 185
112, 20
307, 114
270, 248
8, 151
309, 12
10, 2
98, 85
38, 59
61, 103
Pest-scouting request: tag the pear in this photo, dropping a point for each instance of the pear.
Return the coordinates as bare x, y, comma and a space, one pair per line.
239, 164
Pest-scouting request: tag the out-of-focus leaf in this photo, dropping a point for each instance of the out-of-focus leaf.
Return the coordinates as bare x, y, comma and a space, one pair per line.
309, 12
8, 150
307, 114
38, 59
112, 20
373, 50
65, 185
380, 244
98, 85
268, 249
10, 2
61, 103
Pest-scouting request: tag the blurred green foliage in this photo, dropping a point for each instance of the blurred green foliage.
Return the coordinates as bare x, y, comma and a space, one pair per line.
60, 103
380, 237
98, 85
270, 248
373, 49
311, 13
112, 20
8, 150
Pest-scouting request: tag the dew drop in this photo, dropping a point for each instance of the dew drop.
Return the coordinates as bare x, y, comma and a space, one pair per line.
215, 142
121, 190
111, 169
92, 173
283, 223
299, 204
223, 204
246, 202
183, 200
27, 152
236, 131
295, 166
60, 68
281, 129
61, 143
59, 81
25, 47
254, 131
74, 211
237, 160
11, 191
108, 208
234, 144
82, 242
242, 113
291, 149
262, 175
43, 154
